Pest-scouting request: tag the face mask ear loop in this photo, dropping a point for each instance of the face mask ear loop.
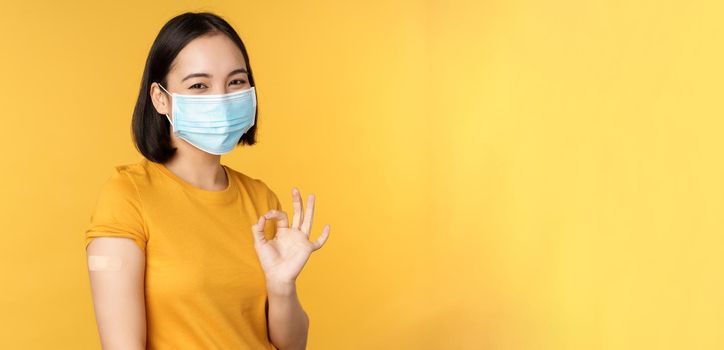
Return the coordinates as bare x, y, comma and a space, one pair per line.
167, 117
164, 89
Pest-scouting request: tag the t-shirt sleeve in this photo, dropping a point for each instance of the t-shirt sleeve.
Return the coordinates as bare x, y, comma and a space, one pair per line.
275, 203
272, 202
118, 212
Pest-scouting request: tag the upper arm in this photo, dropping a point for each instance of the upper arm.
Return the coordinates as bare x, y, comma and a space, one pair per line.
275, 202
117, 233
272, 202
118, 292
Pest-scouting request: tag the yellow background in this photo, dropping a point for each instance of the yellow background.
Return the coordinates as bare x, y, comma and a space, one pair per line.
497, 174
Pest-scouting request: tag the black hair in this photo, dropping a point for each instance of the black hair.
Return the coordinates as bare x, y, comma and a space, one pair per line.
150, 129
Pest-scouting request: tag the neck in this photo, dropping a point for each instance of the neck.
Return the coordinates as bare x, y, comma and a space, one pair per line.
199, 169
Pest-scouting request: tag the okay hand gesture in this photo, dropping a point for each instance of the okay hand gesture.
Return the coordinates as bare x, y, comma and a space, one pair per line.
283, 257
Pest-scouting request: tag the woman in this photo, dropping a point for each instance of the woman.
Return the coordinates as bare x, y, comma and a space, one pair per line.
183, 252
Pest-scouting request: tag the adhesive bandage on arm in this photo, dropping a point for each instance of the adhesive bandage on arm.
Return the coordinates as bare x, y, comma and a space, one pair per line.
104, 263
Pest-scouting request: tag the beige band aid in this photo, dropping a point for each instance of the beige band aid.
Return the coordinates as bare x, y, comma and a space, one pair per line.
104, 263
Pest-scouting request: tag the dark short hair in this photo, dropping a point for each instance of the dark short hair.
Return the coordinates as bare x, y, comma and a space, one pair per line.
150, 129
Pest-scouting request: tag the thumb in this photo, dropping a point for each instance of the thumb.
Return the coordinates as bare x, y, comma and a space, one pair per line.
258, 230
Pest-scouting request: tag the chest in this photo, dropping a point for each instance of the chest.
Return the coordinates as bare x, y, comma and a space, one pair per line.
201, 251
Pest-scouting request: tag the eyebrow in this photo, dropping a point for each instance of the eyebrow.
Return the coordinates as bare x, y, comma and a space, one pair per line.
207, 75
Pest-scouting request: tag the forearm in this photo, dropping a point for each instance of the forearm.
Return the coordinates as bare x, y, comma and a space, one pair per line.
288, 323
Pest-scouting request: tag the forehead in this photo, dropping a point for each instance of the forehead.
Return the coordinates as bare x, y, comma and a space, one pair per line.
211, 54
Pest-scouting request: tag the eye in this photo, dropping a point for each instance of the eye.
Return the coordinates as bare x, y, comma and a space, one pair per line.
240, 81
198, 86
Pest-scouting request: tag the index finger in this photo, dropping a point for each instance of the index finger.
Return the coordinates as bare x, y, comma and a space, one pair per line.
280, 216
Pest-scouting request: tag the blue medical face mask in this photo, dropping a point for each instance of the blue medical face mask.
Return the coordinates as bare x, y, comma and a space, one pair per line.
213, 123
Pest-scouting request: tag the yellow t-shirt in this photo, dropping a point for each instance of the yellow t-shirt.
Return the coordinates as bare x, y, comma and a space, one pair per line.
204, 285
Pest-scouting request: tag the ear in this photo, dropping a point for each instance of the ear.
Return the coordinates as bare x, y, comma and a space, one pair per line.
160, 99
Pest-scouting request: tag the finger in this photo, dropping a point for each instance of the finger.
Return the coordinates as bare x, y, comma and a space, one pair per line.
281, 216
297, 204
258, 230
321, 239
307, 224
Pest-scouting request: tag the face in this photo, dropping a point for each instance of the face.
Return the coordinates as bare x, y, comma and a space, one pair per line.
208, 65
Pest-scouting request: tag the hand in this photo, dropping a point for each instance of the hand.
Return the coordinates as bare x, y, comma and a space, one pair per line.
283, 257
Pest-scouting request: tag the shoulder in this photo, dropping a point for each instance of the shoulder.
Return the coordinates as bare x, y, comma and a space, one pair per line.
257, 188
135, 172
124, 178
137, 175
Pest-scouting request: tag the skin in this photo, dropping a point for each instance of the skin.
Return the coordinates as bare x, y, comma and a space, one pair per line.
118, 296
282, 258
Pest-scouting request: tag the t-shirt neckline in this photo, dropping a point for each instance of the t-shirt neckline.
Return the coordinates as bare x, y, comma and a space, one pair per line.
226, 194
